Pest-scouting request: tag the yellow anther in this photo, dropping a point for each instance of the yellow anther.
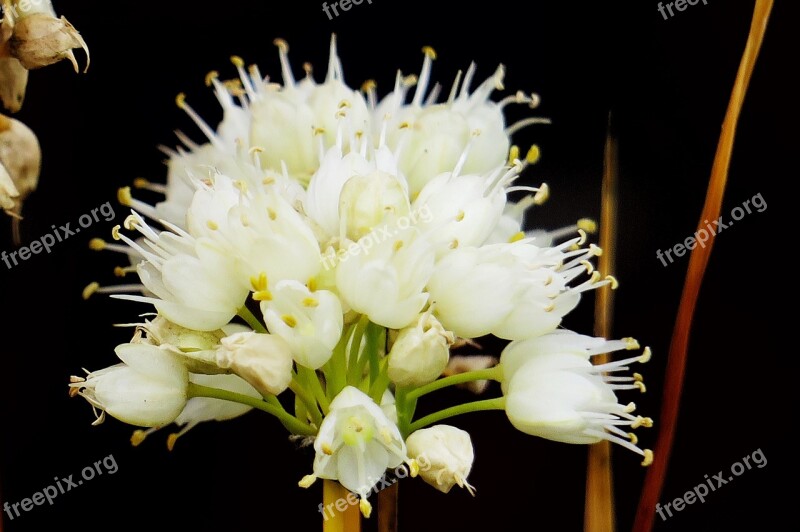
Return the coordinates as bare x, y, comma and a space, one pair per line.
282, 45
268, 181
97, 244
124, 196
637, 377
345, 104
254, 150
460, 216
614, 282
398, 245
90, 289
404, 125
310, 302
289, 320
630, 407
180, 100
307, 481
260, 282
262, 295
115, 232
141, 182
588, 225
594, 251
633, 437
588, 265
319, 131
533, 155
312, 285
516, 237
631, 343
646, 355
210, 77
119, 271
648, 457
237, 61
272, 214
542, 194
211, 224
369, 85
131, 222
327, 449
454, 244
513, 154
413, 467
429, 52
138, 437
365, 507
640, 385
172, 439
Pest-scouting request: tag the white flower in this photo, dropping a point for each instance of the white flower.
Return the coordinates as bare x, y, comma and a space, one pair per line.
553, 391
514, 291
289, 121
194, 349
420, 352
149, 389
310, 322
202, 409
448, 451
356, 444
196, 283
432, 137
258, 226
387, 284
263, 360
354, 190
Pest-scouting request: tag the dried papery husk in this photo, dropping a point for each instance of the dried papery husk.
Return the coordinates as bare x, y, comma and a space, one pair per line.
40, 40
21, 158
13, 83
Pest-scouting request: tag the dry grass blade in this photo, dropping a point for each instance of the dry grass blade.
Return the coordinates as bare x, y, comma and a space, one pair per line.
676, 364
599, 507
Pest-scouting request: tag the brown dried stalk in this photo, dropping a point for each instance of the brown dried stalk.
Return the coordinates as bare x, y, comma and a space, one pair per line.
599, 505
676, 363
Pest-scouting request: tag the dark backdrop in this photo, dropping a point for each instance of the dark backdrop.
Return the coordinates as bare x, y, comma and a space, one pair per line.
668, 83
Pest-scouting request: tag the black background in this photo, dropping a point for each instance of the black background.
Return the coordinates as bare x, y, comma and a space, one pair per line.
668, 83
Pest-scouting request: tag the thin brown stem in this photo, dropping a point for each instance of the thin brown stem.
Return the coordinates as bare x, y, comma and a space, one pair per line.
676, 363
599, 505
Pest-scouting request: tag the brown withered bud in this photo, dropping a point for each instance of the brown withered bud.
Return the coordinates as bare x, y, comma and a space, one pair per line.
462, 364
21, 157
40, 39
13, 82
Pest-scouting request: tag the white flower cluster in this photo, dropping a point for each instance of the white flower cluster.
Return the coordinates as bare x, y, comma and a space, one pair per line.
301, 170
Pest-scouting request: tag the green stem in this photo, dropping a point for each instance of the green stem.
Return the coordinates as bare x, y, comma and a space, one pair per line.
495, 374
311, 380
336, 368
498, 403
251, 320
379, 385
353, 377
308, 400
290, 422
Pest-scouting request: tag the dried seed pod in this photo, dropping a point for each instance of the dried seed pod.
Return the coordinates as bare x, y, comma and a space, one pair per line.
13, 82
21, 158
41, 39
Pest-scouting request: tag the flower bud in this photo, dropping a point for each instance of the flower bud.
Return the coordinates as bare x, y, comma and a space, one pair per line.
367, 200
448, 453
263, 360
420, 353
149, 389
